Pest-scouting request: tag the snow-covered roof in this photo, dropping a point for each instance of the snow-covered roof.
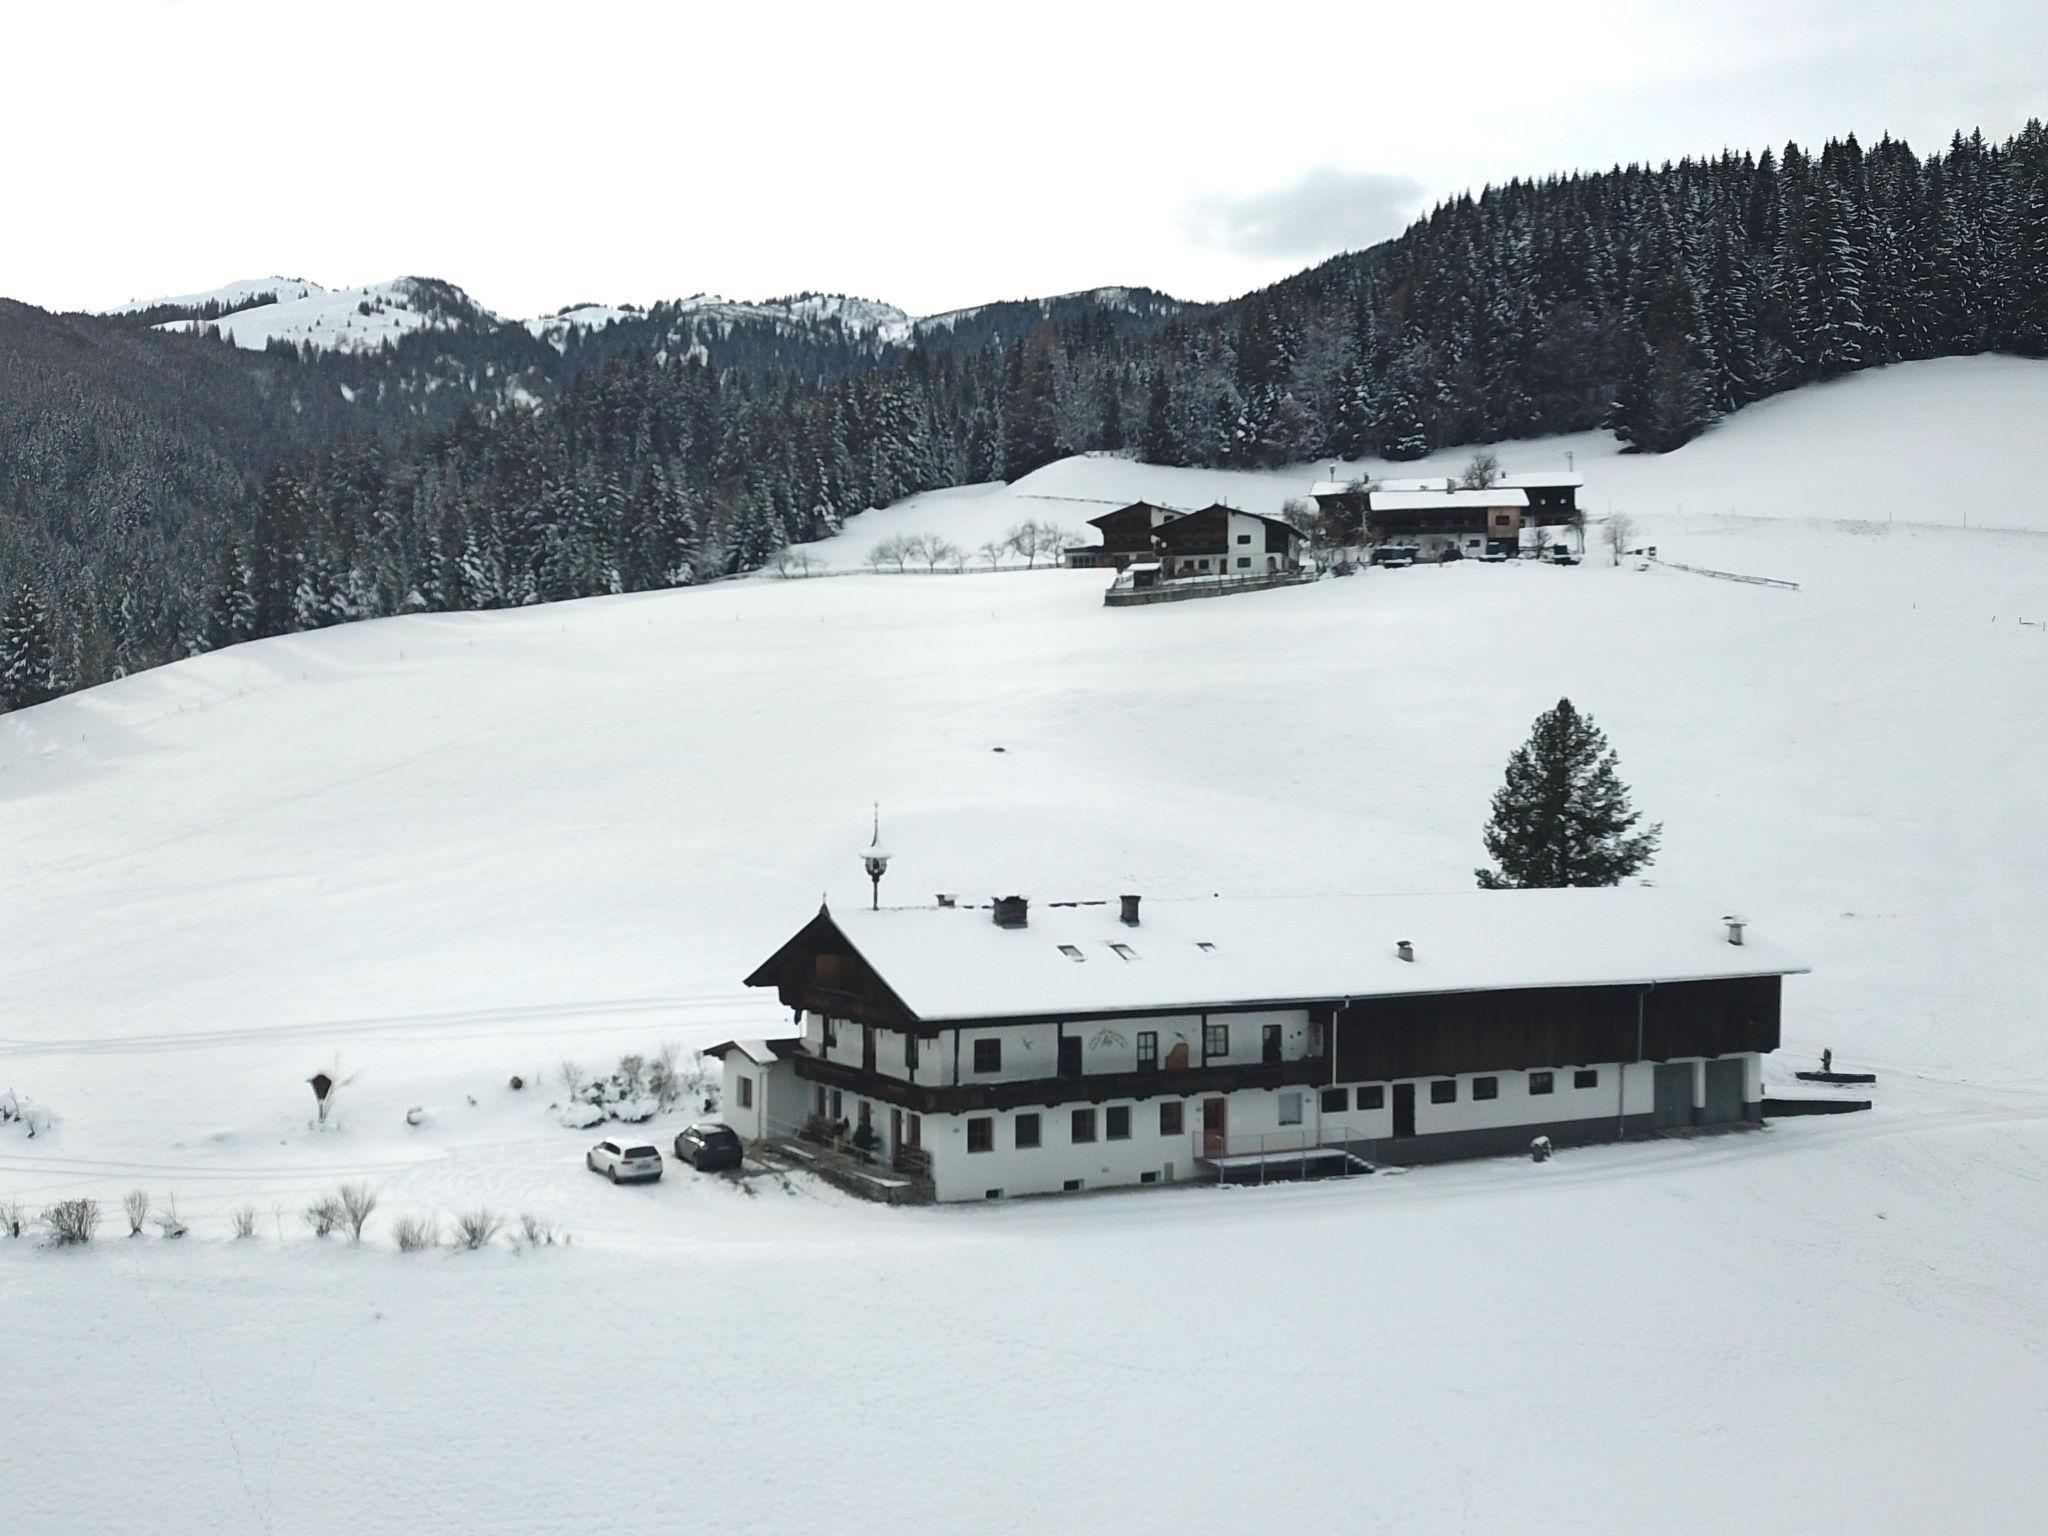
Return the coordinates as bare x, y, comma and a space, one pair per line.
955, 963
1424, 501
763, 1053
1426, 483
1544, 480
1333, 488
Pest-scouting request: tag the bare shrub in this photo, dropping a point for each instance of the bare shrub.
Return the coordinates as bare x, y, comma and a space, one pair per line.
475, 1228
357, 1201
571, 1076
168, 1222
415, 1233
135, 1206
322, 1215
243, 1219
70, 1222
533, 1232
664, 1079
632, 1075
13, 1218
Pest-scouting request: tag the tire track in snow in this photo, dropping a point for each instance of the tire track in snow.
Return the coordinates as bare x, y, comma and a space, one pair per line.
461, 1024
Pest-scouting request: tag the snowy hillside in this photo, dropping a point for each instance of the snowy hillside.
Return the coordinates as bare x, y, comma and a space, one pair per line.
341, 319
230, 296
1936, 443
436, 851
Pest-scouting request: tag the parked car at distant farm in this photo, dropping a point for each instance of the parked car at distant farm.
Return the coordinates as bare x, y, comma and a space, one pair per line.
1561, 554
709, 1147
1394, 555
623, 1160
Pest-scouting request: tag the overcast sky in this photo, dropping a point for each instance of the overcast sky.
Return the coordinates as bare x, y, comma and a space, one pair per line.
540, 155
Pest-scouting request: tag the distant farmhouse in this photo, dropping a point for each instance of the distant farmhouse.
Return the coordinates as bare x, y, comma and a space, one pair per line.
1437, 518
983, 1052
1216, 541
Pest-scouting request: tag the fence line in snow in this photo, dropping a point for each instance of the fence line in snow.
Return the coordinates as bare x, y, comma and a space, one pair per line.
1755, 581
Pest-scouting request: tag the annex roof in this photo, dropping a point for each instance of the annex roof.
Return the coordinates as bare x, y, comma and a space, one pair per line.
1546, 479
1426, 501
763, 1053
1334, 488
948, 963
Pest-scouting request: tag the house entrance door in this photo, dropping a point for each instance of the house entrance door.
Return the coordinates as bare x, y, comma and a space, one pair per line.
1215, 1136
1404, 1109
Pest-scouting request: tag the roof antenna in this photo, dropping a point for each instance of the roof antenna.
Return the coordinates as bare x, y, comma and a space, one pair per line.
876, 859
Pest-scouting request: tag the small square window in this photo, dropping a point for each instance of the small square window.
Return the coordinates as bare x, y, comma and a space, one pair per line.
1244, 538
988, 1055
1084, 1125
1336, 1100
1170, 1118
1444, 1091
981, 1135
1072, 1186
991, 1194
1541, 1083
1072, 952
1027, 1131
1244, 560
1149, 1176
1216, 1040
1586, 1077
1373, 1096
1117, 1122
1485, 1087
746, 1092
1290, 1109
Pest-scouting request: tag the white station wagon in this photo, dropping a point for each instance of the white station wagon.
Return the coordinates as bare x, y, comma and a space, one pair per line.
624, 1160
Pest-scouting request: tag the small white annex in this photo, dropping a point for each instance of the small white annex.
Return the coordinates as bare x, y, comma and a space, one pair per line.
1007, 1049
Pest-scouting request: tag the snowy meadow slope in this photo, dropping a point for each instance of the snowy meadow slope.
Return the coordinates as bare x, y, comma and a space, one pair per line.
441, 850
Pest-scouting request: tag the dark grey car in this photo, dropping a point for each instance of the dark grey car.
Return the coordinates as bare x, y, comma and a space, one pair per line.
709, 1148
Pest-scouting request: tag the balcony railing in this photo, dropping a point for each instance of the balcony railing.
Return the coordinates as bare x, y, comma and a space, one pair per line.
1088, 1088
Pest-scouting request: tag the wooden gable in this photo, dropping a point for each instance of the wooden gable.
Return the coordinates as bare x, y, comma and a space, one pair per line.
819, 971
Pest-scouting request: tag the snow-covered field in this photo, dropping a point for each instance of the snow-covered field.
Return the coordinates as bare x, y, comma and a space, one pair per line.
438, 851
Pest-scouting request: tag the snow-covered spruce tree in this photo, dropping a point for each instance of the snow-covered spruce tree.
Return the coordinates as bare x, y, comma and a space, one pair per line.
1562, 816
28, 664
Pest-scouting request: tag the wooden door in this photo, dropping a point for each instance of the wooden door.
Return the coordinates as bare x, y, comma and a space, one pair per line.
1070, 1055
1404, 1109
1215, 1129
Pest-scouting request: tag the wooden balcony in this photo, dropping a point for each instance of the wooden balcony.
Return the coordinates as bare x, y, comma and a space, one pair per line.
1049, 1092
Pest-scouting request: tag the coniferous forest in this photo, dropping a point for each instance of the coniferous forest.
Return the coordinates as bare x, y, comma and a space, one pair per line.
162, 495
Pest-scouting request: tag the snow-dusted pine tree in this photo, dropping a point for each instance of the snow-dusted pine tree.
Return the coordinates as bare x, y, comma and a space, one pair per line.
1562, 815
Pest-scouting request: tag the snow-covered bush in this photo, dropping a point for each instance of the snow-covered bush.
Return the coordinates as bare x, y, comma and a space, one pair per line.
243, 1219
357, 1201
168, 1222
135, 1206
581, 1117
16, 1109
70, 1222
415, 1233
637, 1091
475, 1228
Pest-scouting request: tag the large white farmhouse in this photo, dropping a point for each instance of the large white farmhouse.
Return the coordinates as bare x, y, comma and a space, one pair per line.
1007, 1049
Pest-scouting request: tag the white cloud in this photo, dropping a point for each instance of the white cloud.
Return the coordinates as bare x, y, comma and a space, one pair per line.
1322, 211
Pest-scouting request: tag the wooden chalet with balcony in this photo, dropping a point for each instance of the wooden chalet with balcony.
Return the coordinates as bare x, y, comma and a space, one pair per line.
1000, 1050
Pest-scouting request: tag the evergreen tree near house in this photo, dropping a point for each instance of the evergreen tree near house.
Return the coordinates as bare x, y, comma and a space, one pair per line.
1562, 815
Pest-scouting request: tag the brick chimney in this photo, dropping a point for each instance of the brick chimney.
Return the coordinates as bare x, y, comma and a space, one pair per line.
1405, 950
1012, 912
1129, 917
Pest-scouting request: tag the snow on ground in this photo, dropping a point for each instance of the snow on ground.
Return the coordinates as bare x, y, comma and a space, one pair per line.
1945, 443
433, 852
340, 319
231, 293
